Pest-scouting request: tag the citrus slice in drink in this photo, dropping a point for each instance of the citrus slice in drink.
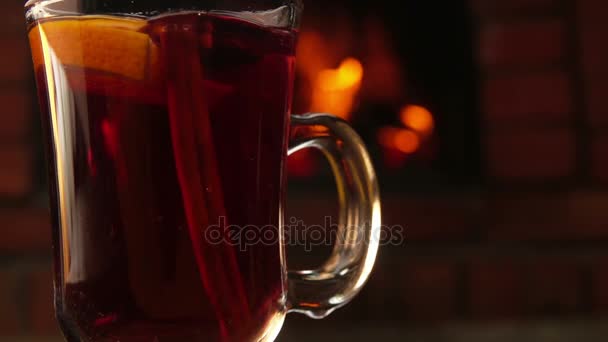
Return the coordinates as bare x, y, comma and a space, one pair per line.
111, 45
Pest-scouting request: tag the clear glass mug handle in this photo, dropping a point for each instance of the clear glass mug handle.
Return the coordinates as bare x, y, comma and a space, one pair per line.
317, 293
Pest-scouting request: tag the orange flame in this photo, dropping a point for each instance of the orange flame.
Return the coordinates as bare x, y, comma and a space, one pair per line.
418, 118
407, 141
348, 75
400, 139
335, 89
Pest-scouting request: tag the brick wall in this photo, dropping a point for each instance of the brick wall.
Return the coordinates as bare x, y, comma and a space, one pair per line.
16, 119
531, 244
25, 276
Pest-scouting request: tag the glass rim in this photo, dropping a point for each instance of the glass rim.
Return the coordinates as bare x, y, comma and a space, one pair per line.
284, 14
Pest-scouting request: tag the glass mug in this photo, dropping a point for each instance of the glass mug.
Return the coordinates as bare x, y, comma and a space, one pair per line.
167, 131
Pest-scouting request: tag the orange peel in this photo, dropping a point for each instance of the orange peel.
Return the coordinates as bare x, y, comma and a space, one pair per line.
105, 44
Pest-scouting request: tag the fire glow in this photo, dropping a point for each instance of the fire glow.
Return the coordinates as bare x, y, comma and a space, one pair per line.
401, 139
335, 90
418, 118
419, 125
332, 80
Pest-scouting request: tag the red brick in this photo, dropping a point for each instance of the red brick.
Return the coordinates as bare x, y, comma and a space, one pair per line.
384, 286
530, 98
597, 102
432, 218
576, 216
13, 16
9, 318
554, 288
594, 50
600, 286
512, 7
497, 290
599, 157
310, 211
25, 230
16, 173
530, 44
42, 314
428, 290
531, 155
14, 124
592, 11
16, 59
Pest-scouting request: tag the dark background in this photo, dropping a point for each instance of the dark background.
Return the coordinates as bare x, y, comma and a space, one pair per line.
506, 220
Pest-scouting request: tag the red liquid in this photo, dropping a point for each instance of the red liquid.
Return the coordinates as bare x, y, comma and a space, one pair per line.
140, 169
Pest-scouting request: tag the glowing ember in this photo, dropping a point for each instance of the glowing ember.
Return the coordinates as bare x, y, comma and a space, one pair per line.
331, 82
407, 141
335, 90
418, 118
347, 76
400, 139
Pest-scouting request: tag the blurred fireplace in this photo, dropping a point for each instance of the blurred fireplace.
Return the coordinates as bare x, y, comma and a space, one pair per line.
405, 79
534, 249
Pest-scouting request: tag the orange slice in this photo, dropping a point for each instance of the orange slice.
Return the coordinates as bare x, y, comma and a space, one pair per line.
112, 45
